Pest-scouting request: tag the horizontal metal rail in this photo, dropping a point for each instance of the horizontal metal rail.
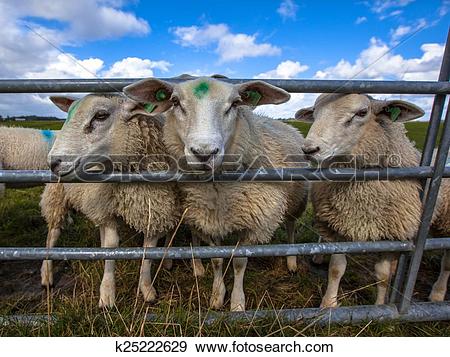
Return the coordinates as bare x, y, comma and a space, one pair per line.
291, 85
272, 250
267, 175
346, 315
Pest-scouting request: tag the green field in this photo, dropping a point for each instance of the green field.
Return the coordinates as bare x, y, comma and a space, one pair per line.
183, 300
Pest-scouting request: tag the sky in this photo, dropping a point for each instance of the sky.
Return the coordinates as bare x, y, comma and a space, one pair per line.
391, 39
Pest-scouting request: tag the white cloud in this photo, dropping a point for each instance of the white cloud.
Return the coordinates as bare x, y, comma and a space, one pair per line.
67, 66
288, 9
29, 50
133, 67
84, 19
382, 6
234, 47
361, 19
403, 30
285, 70
229, 46
376, 62
200, 36
288, 109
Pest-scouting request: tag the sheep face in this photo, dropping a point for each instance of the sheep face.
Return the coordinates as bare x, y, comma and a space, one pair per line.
205, 111
88, 135
340, 122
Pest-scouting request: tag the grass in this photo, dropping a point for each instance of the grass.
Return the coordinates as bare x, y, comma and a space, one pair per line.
182, 300
37, 124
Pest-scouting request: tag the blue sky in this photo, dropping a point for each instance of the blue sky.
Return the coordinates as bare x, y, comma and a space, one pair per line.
270, 39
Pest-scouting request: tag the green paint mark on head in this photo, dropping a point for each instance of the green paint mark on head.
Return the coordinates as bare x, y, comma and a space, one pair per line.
73, 108
253, 96
395, 113
149, 107
160, 95
201, 90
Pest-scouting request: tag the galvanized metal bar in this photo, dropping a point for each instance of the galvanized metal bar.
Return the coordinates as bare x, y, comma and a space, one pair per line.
268, 175
427, 154
427, 214
346, 315
399, 278
272, 250
291, 85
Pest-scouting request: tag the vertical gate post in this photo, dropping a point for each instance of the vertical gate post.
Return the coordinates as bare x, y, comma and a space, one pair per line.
427, 154
427, 214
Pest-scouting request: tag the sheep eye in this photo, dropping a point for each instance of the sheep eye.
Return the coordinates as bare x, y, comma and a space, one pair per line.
362, 113
101, 115
175, 101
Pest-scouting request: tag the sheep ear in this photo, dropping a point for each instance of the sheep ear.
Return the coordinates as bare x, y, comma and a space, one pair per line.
397, 110
62, 102
153, 95
258, 93
305, 115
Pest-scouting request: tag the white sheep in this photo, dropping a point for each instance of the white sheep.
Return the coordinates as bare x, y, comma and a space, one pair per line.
358, 131
24, 149
110, 126
209, 122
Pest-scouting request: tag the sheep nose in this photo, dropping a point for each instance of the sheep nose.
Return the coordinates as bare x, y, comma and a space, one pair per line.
310, 149
55, 166
204, 155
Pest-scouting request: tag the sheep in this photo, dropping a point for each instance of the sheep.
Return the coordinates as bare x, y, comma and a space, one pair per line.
364, 132
111, 126
24, 149
207, 119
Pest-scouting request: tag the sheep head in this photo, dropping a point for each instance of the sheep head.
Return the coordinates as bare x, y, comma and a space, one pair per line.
341, 121
205, 111
93, 131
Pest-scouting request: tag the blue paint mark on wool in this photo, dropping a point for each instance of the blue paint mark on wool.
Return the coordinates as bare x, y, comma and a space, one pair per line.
48, 136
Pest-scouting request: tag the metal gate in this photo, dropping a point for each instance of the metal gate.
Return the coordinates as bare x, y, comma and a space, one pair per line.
401, 306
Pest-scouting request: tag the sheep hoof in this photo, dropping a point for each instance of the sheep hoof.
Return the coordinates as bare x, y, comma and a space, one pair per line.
199, 270
237, 306
436, 295
292, 264
167, 264
107, 295
328, 302
47, 274
148, 292
217, 297
237, 302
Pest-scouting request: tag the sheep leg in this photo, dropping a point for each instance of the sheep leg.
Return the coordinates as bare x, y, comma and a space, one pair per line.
383, 273
218, 289
290, 230
109, 239
440, 286
145, 280
47, 265
336, 270
238, 295
199, 270
167, 263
